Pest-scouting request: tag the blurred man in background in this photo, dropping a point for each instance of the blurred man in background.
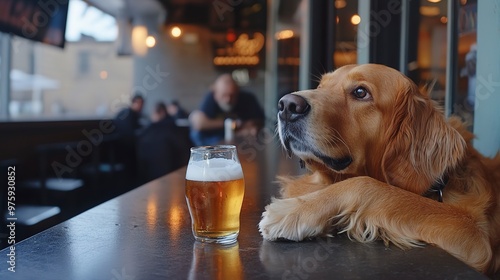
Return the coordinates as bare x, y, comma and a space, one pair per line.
224, 101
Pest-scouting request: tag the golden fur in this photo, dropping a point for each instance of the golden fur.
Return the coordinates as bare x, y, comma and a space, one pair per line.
399, 144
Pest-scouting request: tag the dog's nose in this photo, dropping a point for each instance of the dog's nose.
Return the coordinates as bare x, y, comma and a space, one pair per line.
292, 107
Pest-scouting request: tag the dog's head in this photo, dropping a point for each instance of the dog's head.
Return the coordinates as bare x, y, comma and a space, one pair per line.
370, 120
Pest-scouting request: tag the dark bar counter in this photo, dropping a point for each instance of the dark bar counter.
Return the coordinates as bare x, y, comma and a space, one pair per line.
146, 234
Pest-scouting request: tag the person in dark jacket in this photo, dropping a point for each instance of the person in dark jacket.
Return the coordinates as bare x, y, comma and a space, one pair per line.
128, 120
128, 125
160, 150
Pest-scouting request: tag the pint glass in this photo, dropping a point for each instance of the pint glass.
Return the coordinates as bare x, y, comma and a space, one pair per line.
214, 193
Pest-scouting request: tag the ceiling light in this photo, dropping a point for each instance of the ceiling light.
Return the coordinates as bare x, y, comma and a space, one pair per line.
150, 41
176, 32
355, 19
139, 35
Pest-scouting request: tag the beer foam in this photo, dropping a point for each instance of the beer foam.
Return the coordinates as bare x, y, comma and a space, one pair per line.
217, 169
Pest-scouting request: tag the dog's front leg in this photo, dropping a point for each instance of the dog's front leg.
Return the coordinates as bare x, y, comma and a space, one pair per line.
306, 209
367, 209
298, 186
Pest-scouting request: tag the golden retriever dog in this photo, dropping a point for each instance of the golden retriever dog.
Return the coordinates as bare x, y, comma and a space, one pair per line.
384, 164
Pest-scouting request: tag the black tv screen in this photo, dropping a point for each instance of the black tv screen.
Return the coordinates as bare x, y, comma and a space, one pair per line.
38, 20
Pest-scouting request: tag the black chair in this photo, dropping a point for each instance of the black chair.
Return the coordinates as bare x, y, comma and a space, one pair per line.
106, 173
56, 182
28, 218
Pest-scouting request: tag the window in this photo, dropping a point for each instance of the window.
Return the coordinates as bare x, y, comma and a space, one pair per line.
86, 79
429, 70
464, 97
432, 51
83, 62
346, 32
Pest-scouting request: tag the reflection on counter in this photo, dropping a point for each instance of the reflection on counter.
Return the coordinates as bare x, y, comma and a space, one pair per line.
223, 261
295, 261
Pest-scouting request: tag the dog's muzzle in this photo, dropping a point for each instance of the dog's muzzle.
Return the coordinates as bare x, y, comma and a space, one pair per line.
292, 109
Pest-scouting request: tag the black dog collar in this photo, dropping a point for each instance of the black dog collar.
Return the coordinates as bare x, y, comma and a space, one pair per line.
438, 187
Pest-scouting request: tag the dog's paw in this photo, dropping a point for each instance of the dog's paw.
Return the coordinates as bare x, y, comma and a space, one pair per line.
290, 219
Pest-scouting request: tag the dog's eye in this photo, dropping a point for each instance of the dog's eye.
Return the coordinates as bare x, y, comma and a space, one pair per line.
361, 93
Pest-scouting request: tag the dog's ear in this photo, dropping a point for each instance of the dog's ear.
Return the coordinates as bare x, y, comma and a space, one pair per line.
421, 145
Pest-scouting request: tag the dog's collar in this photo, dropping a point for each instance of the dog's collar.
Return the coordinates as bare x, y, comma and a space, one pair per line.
438, 187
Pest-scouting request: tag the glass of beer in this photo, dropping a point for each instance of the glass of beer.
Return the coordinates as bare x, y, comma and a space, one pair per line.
214, 193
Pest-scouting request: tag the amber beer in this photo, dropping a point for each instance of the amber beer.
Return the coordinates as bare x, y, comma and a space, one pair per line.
214, 193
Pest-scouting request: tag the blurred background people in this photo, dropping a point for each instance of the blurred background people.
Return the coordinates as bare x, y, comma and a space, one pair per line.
128, 125
128, 120
175, 110
225, 100
160, 147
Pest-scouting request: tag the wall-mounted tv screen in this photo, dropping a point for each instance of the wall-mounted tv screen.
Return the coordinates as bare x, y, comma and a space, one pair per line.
38, 20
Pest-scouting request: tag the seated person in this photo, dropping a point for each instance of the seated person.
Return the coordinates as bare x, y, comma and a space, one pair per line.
159, 149
225, 100
175, 110
128, 125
